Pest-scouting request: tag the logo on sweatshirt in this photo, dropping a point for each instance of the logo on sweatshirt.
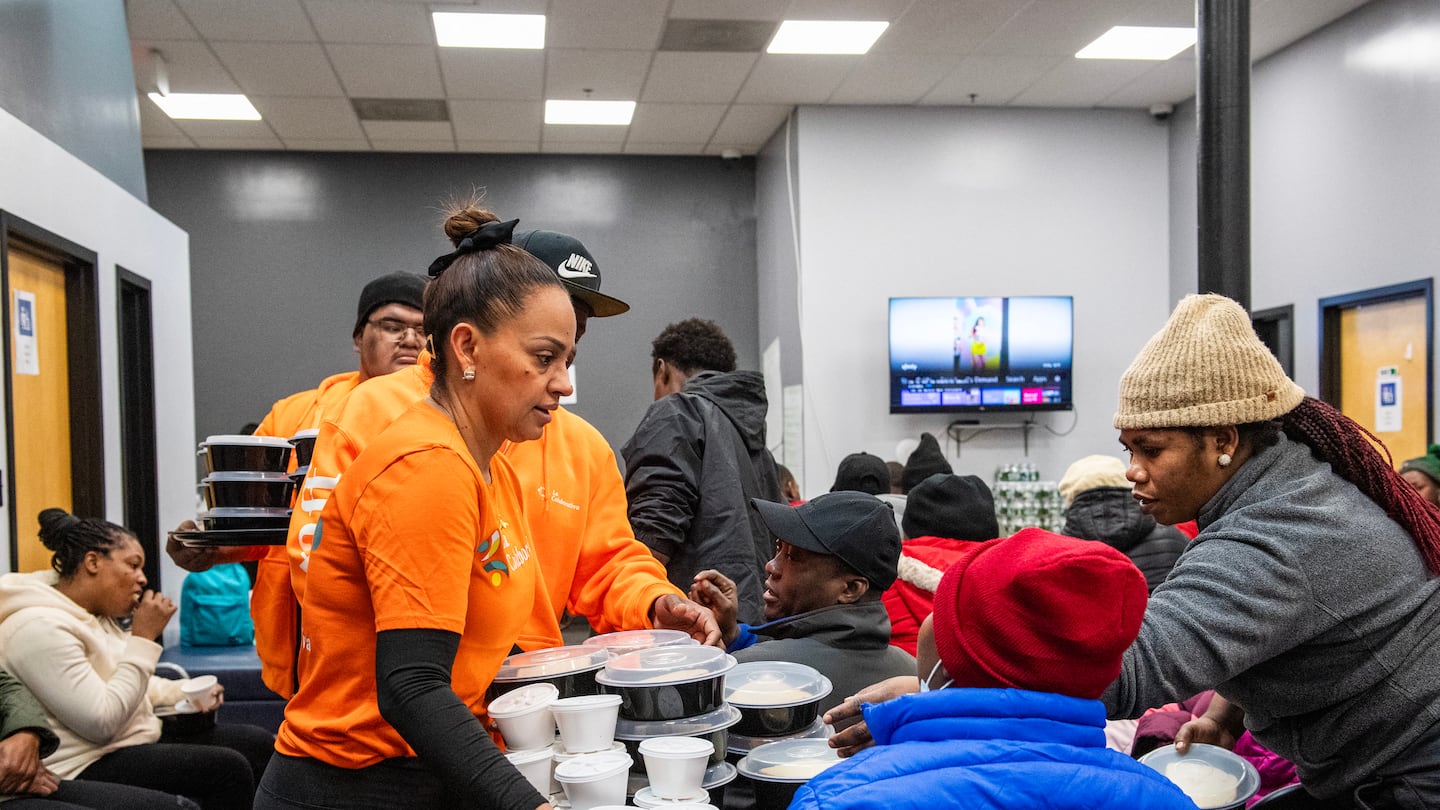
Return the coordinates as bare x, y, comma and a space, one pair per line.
576, 266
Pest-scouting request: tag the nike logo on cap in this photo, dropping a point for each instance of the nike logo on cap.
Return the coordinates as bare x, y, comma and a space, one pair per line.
576, 266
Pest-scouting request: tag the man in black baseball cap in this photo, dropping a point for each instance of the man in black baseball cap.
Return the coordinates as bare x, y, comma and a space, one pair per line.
834, 556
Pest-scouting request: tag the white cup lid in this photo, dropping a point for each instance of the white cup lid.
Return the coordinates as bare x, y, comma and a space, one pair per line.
593, 767
676, 747
524, 700
529, 755
584, 703
256, 441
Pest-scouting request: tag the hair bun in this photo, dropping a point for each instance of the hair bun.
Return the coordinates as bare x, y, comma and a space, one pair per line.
463, 220
55, 524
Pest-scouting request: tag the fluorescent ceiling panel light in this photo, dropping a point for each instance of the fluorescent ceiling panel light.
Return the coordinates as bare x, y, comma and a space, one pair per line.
1139, 42
207, 106
589, 113
826, 36
463, 29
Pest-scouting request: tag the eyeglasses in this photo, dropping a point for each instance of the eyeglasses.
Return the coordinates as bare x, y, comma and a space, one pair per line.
396, 330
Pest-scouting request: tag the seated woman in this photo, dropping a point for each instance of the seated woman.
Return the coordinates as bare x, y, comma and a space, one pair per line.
60, 637
422, 573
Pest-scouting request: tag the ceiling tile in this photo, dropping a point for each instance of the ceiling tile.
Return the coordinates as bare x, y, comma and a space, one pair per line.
154, 121
580, 148
749, 124
566, 133
894, 79
327, 118
493, 74
279, 68
408, 130
728, 10
722, 151
325, 145
157, 19
509, 147
371, 21
697, 77
412, 146
497, 120
387, 71
239, 143
255, 20
626, 24
886, 10
787, 79
664, 148
994, 80
240, 130
666, 123
1169, 82
1054, 27
945, 26
608, 75
193, 68
1081, 82
165, 142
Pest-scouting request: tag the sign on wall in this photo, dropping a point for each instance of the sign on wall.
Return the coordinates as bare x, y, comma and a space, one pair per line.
27, 348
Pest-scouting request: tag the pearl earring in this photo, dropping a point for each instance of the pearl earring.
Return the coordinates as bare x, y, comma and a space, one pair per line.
469, 374
1224, 459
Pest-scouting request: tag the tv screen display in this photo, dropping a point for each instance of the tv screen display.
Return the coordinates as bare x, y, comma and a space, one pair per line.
981, 354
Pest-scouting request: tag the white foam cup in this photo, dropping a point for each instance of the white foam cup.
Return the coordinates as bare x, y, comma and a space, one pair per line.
676, 765
524, 716
534, 765
594, 780
587, 722
201, 692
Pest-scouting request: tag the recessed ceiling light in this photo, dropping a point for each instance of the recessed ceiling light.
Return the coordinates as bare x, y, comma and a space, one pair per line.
207, 106
591, 113
826, 36
1138, 42
463, 29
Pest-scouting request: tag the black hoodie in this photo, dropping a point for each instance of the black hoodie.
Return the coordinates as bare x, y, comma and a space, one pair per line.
694, 462
1112, 516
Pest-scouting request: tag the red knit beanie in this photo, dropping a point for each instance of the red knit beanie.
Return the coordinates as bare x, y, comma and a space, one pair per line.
1038, 611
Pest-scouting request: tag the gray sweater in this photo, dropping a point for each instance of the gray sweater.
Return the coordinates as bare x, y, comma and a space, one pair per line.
1304, 604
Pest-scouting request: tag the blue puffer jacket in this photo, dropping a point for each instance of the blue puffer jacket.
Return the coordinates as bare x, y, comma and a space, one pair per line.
989, 748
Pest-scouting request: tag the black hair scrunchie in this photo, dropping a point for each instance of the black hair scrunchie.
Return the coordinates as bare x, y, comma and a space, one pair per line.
485, 237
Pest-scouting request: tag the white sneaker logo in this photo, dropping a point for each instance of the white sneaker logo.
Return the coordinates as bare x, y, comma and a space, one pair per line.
576, 266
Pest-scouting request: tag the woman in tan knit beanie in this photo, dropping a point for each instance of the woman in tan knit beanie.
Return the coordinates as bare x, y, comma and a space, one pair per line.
1308, 600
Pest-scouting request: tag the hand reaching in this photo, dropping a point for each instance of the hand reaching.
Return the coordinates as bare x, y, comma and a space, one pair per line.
671, 612
717, 592
857, 738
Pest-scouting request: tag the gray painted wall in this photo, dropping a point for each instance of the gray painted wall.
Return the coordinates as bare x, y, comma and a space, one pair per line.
1345, 173
65, 71
281, 244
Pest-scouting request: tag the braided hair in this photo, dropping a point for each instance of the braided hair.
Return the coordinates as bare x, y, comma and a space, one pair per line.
71, 538
1351, 451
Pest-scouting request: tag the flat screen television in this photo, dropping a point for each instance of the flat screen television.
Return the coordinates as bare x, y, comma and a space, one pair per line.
958, 355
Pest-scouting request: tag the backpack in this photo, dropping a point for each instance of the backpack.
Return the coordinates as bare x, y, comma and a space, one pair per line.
215, 608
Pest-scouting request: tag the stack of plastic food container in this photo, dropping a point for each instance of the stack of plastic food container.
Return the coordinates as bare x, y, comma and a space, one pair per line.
667, 694
247, 492
778, 701
776, 770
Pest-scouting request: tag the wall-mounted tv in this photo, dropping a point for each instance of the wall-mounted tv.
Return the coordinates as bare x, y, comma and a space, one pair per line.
956, 355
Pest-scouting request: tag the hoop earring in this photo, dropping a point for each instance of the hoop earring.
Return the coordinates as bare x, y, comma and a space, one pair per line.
1224, 460
469, 374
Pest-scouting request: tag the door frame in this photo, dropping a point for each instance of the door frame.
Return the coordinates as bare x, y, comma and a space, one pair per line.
1284, 320
138, 452
82, 316
1330, 309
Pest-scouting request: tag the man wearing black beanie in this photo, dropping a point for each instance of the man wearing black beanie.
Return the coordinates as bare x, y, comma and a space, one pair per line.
924, 462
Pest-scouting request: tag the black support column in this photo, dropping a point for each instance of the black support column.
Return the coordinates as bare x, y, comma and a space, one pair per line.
1222, 103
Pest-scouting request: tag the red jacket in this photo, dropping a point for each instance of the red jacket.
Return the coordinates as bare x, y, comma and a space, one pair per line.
923, 560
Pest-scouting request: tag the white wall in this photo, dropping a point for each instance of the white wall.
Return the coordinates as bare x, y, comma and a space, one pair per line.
958, 202
50, 188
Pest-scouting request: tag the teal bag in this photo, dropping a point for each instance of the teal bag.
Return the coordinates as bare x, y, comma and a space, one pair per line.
215, 608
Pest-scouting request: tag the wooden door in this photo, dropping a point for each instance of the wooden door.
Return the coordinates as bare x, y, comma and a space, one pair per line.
40, 398
1383, 354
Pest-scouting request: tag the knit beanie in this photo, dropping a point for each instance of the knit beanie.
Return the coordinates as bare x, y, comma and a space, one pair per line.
1428, 464
1205, 367
1038, 611
952, 506
924, 462
395, 288
1090, 473
862, 472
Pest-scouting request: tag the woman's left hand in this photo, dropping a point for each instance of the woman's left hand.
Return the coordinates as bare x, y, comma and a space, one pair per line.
671, 612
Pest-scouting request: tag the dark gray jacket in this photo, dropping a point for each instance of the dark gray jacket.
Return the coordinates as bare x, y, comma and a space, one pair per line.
849, 644
690, 469
1304, 604
1112, 516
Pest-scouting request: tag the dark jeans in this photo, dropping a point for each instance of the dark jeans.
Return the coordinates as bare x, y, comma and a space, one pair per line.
394, 784
217, 768
73, 795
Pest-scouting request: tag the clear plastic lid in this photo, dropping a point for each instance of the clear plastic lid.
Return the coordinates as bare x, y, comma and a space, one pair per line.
305, 434
253, 441
788, 760
549, 662
246, 476
770, 684
245, 512
524, 700
593, 767
723, 717
716, 775
628, 641
665, 665
740, 744
1211, 776
676, 747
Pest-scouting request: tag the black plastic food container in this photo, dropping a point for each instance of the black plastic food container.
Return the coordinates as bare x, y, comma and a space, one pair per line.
247, 489
304, 443
245, 453
775, 698
571, 670
240, 518
713, 726
667, 683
